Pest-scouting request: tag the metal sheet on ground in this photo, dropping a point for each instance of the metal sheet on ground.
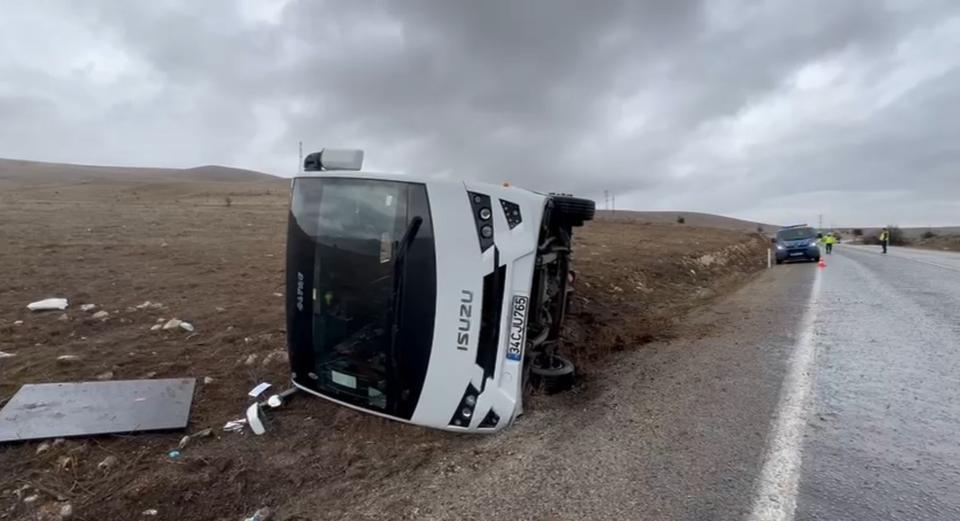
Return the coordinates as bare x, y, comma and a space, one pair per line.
85, 408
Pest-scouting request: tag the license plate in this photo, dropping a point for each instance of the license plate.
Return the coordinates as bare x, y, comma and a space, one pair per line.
518, 327
796, 254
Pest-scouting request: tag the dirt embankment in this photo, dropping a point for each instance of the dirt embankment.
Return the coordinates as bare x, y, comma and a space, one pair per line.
637, 280
221, 268
938, 242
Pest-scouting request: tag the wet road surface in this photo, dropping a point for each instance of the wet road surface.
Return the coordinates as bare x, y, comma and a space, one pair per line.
883, 434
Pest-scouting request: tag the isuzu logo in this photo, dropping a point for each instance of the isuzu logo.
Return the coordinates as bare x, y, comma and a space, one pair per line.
463, 329
300, 291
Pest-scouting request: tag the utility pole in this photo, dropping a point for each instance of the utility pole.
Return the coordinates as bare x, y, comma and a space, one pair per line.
821, 222
613, 203
300, 162
606, 199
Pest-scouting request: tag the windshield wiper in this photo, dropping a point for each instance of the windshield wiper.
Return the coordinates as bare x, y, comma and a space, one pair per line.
399, 276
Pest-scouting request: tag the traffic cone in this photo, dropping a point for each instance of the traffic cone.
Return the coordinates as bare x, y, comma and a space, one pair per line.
822, 263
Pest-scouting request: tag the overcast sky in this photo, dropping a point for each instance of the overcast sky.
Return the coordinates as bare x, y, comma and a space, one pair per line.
774, 111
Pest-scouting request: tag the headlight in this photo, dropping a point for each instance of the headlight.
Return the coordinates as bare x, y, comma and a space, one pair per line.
482, 214
779, 246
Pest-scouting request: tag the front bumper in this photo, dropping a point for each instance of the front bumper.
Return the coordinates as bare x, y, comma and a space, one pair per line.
803, 252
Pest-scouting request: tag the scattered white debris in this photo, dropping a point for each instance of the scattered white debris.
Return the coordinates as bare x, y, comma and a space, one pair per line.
101, 315
43, 447
151, 374
18, 322
277, 294
186, 440
173, 323
161, 320
150, 512
252, 359
68, 358
6, 355
259, 389
107, 463
66, 511
253, 419
63, 317
280, 356
145, 305
31, 499
235, 425
220, 309
48, 304
186, 326
105, 376
88, 307
156, 327
207, 380
59, 441
263, 514
19, 491
66, 462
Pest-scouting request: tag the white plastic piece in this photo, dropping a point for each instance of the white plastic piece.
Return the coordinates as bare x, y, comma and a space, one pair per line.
341, 159
235, 425
259, 389
48, 304
253, 419
275, 401
173, 323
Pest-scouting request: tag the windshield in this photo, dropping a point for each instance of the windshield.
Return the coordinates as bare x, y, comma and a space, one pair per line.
360, 310
796, 234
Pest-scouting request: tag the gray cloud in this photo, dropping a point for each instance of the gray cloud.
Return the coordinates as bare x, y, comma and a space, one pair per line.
767, 110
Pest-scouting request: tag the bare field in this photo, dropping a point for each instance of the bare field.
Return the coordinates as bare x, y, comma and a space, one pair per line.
220, 267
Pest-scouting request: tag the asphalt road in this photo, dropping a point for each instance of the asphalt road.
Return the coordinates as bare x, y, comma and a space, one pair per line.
810, 394
883, 437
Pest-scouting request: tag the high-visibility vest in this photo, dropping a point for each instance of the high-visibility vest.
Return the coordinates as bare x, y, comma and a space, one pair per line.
884, 236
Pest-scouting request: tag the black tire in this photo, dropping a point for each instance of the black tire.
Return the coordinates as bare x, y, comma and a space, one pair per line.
779, 262
573, 210
558, 377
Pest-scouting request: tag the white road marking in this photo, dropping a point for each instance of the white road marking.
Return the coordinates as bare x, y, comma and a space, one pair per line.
776, 495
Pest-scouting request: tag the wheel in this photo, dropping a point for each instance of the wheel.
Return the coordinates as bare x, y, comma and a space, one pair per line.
573, 210
816, 259
554, 377
779, 261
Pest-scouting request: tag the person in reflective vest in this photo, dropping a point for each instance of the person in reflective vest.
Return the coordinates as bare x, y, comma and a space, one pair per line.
829, 241
885, 239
